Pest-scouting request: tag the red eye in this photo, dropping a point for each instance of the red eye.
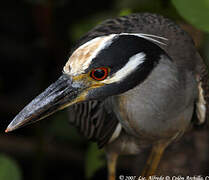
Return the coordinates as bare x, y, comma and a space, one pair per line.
99, 74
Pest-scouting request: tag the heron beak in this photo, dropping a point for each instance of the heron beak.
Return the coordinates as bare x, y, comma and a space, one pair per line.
63, 93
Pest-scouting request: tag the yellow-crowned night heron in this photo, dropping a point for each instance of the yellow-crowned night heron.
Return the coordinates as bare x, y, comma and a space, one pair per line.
139, 78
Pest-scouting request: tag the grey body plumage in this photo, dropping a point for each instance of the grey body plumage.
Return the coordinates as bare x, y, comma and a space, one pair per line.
138, 79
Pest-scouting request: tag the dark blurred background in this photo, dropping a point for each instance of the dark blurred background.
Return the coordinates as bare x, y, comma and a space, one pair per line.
35, 41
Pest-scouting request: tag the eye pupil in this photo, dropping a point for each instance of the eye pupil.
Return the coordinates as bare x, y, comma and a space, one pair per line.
99, 73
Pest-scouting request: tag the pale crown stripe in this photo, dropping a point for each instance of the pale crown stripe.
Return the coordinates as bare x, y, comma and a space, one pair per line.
81, 58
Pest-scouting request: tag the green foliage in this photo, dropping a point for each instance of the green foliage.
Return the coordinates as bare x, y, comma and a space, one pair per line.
138, 5
84, 25
9, 169
205, 50
194, 11
61, 128
125, 12
153, 6
80, 28
94, 160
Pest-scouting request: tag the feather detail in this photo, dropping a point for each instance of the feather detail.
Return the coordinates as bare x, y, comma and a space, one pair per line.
92, 121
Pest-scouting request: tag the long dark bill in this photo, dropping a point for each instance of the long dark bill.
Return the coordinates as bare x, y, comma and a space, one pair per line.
57, 96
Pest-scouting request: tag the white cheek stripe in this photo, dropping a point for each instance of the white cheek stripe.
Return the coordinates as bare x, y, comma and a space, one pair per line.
130, 66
